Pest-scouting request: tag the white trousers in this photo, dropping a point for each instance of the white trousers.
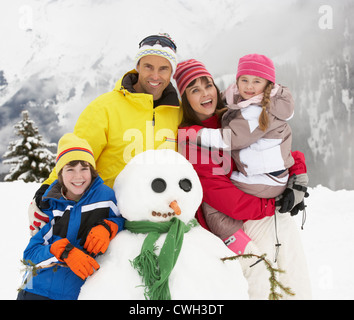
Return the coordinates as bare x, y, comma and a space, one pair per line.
290, 258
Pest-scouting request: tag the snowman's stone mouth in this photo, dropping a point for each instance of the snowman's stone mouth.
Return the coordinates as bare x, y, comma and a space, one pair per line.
163, 215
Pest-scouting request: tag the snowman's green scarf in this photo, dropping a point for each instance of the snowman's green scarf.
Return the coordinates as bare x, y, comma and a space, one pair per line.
155, 270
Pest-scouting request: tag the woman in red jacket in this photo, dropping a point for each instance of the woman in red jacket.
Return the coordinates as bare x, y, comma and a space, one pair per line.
234, 216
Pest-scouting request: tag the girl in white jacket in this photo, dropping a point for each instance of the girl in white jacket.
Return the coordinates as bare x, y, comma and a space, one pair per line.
255, 128
279, 229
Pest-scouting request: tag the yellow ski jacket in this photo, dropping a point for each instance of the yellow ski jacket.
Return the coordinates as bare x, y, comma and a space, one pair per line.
120, 124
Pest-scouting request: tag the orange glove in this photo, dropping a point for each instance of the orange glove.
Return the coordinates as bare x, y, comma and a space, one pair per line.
79, 262
99, 237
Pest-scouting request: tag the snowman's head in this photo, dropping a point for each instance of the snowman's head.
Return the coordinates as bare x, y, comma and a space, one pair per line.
157, 185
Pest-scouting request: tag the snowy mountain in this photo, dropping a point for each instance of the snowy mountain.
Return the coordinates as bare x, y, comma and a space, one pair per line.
57, 56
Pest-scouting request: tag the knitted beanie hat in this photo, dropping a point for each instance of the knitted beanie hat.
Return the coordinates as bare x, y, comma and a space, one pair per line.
187, 71
256, 65
157, 48
70, 148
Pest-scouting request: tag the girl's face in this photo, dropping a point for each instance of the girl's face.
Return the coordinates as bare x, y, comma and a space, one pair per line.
250, 86
76, 179
203, 98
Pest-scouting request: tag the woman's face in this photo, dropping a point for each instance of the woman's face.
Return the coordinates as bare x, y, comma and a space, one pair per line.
203, 98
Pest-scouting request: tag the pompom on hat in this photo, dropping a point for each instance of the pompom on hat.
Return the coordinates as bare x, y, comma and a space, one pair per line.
159, 45
187, 71
72, 148
256, 65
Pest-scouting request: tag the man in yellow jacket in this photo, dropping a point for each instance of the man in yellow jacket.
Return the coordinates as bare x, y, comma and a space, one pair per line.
141, 113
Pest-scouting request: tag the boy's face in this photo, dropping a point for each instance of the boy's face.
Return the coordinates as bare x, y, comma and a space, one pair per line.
250, 86
76, 179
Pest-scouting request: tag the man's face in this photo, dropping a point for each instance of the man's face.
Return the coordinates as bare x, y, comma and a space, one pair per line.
154, 75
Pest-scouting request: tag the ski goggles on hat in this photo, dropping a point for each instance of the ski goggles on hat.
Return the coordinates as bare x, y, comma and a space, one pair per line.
163, 41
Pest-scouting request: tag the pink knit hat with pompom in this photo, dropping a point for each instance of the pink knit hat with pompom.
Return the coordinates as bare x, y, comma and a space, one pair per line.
256, 65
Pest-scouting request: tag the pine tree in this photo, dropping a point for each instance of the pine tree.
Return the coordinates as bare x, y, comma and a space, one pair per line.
29, 156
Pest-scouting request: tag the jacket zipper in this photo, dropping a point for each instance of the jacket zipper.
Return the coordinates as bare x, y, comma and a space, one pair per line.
153, 130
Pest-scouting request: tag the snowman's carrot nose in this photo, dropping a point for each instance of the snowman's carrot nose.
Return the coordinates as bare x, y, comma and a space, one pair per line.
174, 205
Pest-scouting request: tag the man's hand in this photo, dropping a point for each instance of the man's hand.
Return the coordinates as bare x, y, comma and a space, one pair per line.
37, 219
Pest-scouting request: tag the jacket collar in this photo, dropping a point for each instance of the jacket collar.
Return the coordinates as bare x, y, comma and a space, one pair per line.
212, 122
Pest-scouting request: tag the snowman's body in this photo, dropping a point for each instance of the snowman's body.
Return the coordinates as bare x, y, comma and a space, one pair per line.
145, 190
198, 274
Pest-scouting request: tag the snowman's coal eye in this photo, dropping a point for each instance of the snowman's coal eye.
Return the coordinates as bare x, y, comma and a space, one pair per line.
185, 184
158, 185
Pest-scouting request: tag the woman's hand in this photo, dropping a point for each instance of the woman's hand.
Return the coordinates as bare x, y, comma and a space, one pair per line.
292, 199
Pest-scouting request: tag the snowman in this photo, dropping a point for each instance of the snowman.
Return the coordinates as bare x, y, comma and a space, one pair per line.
163, 253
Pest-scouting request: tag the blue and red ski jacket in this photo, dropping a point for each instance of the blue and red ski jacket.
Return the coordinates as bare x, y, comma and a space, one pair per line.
71, 220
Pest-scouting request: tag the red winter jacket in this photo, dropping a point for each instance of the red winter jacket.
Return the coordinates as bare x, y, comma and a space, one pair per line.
218, 190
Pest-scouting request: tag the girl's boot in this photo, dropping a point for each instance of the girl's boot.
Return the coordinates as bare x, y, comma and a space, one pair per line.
256, 274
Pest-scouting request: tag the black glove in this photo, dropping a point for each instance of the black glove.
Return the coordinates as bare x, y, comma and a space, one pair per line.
39, 194
300, 207
293, 195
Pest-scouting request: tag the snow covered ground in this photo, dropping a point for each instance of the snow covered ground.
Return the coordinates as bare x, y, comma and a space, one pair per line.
328, 239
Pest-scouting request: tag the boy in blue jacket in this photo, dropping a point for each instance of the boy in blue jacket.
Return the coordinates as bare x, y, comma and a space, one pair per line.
84, 218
